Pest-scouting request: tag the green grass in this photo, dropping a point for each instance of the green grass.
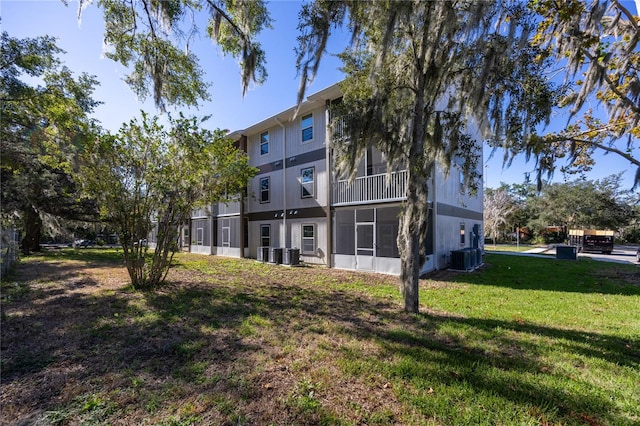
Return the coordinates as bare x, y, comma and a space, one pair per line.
524, 341
509, 247
99, 255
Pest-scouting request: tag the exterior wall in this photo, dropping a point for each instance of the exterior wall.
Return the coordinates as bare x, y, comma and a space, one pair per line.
448, 237
287, 211
364, 238
293, 238
201, 240
283, 166
455, 206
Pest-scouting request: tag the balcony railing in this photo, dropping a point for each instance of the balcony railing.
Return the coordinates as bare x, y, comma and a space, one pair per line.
370, 189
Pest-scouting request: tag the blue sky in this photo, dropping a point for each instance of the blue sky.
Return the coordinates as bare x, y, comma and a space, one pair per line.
229, 110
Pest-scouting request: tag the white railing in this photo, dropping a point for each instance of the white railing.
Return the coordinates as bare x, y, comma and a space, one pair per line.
368, 189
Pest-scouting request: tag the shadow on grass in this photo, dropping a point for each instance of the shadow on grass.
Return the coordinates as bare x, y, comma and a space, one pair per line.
187, 340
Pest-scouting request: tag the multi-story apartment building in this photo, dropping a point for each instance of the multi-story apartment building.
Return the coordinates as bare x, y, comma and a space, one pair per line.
297, 201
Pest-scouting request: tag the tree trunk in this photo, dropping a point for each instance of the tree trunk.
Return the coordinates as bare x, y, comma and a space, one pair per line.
32, 231
413, 220
411, 239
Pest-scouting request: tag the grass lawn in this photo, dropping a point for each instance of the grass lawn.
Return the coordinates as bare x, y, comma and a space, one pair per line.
509, 247
524, 341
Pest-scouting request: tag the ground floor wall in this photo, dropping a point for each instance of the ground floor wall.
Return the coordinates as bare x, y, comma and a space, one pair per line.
219, 235
357, 237
309, 235
457, 229
303, 229
365, 238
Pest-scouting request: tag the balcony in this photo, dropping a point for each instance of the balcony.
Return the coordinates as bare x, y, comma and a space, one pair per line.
370, 189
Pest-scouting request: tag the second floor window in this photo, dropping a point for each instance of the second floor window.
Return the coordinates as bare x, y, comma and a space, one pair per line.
264, 143
264, 190
307, 127
308, 182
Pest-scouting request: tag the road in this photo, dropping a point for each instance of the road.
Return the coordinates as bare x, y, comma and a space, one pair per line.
620, 254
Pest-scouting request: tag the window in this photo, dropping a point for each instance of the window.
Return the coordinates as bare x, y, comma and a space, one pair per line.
309, 239
308, 182
264, 143
199, 236
265, 235
462, 241
307, 127
264, 190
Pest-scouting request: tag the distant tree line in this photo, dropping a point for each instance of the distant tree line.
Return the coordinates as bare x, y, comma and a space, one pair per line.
546, 216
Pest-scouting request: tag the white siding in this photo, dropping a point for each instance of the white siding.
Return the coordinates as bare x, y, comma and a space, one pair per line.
322, 250
294, 186
276, 198
294, 132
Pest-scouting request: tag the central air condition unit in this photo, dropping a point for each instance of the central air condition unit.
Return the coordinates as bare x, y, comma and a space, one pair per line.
461, 260
263, 254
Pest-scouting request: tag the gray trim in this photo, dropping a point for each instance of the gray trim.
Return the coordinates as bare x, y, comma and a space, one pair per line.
307, 157
304, 213
454, 211
368, 204
269, 167
293, 161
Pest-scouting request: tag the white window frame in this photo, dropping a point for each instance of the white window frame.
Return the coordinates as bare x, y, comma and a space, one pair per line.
268, 190
268, 237
302, 129
264, 141
309, 186
312, 238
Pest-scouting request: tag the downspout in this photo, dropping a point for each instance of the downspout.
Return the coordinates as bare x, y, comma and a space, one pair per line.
243, 147
436, 262
329, 179
284, 184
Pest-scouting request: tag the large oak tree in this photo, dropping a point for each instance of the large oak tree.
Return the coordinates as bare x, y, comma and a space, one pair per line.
42, 130
152, 38
420, 76
595, 48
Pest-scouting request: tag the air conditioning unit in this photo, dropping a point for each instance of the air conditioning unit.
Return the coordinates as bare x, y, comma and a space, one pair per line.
461, 260
263, 254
